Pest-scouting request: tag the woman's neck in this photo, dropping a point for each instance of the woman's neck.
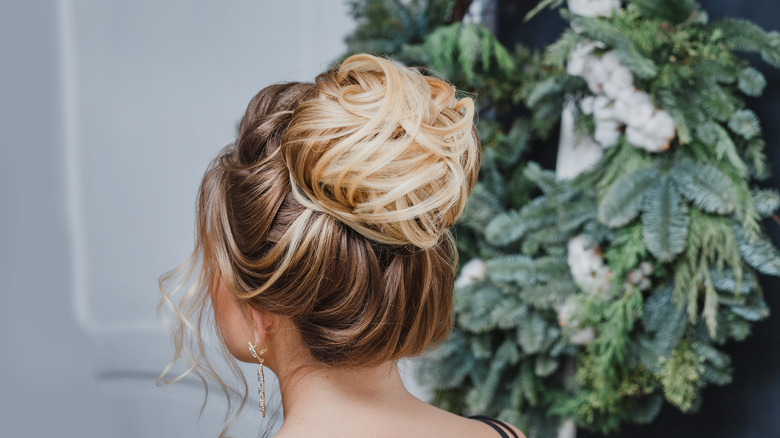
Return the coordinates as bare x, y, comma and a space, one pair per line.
310, 393
316, 397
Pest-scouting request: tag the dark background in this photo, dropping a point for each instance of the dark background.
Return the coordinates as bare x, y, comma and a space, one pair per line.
750, 406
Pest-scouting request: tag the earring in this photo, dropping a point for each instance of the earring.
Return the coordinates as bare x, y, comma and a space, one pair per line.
260, 375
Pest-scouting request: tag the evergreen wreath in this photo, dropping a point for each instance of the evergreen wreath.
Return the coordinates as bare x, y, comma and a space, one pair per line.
609, 293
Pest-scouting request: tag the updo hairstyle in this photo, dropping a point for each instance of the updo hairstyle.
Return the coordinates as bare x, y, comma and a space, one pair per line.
333, 205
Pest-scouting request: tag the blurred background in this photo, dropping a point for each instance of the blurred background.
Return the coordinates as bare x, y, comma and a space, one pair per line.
109, 113
749, 406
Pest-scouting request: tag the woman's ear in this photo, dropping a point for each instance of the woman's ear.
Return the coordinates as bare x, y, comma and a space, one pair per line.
261, 322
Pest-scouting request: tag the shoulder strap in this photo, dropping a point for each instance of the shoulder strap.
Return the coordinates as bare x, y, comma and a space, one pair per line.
498, 425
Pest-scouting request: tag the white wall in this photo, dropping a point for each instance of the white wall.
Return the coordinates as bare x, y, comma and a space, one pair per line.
109, 113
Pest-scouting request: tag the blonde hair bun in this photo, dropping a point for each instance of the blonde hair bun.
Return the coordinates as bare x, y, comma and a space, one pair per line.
386, 150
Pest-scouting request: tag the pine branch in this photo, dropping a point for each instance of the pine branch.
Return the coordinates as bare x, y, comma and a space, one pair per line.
624, 199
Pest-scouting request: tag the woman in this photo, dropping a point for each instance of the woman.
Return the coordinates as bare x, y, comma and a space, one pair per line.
323, 247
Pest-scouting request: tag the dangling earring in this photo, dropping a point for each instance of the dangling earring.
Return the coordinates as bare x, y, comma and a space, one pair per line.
260, 375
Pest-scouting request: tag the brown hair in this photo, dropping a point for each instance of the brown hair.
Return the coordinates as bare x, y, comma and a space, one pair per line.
332, 208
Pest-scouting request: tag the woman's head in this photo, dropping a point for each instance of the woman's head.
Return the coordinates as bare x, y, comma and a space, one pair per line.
332, 209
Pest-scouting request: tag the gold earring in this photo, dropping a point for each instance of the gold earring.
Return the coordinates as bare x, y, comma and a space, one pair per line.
260, 375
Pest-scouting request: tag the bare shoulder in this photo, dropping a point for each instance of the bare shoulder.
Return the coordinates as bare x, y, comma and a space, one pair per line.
469, 427
413, 419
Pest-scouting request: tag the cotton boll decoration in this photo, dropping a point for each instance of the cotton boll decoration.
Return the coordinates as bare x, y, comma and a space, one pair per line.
581, 57
587, 266
566, 313
620, 80
586, 104
596, 73
603, 108
654, 134
472, 271
607, 133
649, 127
474, 14
661, 126
616, 102
634, 107
594, 8
566, 320
605, 74
583, 337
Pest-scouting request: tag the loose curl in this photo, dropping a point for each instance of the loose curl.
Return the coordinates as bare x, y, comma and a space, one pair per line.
332, 208
386, 150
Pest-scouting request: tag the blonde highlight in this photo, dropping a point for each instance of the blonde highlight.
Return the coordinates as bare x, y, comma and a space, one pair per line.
385, 149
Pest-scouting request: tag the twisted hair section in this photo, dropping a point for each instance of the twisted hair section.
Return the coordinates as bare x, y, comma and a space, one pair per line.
332, 208
388, 151
186, 290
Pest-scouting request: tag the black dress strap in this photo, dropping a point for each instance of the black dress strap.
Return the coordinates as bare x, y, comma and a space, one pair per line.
496, 424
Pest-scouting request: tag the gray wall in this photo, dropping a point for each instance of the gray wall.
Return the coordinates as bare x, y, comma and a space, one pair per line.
109, 113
